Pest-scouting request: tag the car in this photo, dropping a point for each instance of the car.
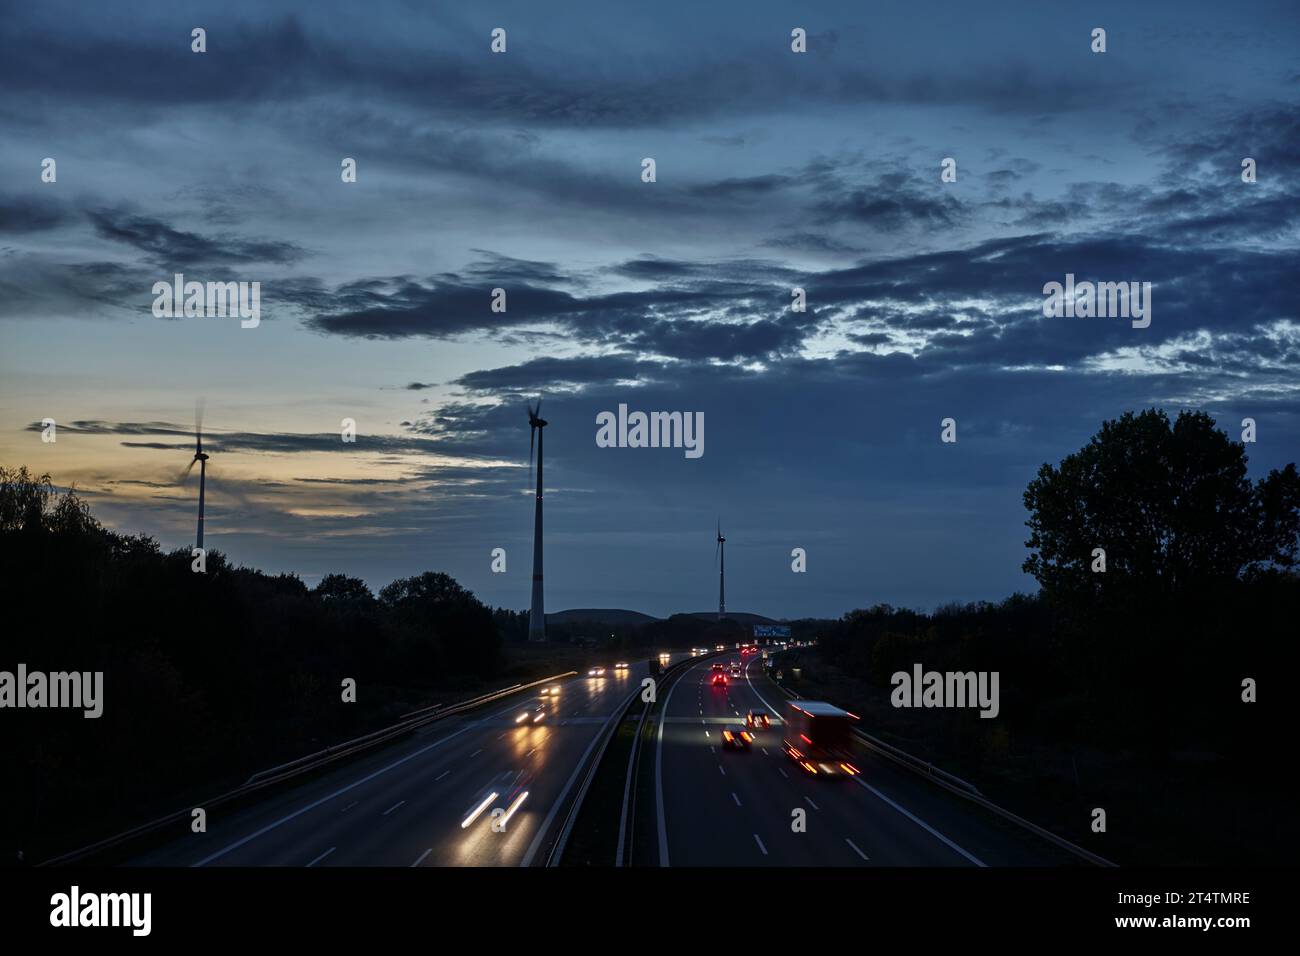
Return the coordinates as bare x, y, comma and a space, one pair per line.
533, 716
719, 679
735, 669
719, 648
757, 718
621, 666
736, 738
596, 672
551, 691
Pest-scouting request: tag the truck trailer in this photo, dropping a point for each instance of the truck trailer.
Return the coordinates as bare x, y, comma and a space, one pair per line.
818, 737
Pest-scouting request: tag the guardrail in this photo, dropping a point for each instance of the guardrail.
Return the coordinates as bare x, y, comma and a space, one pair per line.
961, 788
276, 775
556, 854
627, 818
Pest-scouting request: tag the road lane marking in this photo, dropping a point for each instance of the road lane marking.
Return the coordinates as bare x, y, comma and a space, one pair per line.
477, 752
349, 806
765, 753
393, 807
855, 849
919, 822
706, 733
760, 844
441, 775
721, 771
810, 800
322, 856
736, 798
422, 856
781, 771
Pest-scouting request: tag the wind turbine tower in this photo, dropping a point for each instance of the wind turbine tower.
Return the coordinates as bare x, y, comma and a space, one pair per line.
720, 557
537, 614
202, 459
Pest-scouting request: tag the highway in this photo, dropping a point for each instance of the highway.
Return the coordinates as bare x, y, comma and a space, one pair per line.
735, 808
405, 804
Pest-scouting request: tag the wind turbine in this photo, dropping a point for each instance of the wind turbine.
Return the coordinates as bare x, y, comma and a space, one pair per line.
202, 459
720, 559
537, 615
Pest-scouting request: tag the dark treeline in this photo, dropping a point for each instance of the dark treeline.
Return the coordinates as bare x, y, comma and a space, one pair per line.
226, 671
1149, 649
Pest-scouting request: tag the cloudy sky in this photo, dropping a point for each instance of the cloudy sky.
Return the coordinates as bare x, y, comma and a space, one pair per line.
522, 171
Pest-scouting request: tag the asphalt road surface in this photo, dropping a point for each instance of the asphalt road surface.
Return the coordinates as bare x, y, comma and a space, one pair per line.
718, 807
405, 804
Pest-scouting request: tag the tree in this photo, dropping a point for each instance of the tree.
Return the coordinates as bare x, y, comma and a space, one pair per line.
342, 590
437, 614
1170, 504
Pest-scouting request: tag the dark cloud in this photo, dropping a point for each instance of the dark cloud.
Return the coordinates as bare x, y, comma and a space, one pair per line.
165, 244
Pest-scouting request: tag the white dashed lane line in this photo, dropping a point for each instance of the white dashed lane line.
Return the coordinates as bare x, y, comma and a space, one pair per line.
759, 841
349, 807
855, 848
441, 775
810, 803
781, 771
721, 771
421, 857
322, 856
393, 807
736, 798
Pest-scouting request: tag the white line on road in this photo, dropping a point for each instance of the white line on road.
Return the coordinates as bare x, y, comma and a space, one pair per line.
765, 753
349, 806
322, 856
441, 775
855, 849
919, 822
760, 844
721, 771
736, 798
477, 752
393, 807
422, 856
781, 771
810, 801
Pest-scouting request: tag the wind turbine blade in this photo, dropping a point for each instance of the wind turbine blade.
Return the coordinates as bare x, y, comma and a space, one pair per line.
186, 473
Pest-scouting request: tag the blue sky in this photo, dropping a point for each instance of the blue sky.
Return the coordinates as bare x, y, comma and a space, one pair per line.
522, 171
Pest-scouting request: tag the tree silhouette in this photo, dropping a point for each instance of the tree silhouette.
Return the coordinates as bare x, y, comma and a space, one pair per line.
1170, 504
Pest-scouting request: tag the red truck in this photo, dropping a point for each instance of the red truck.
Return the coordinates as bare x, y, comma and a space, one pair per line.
818, 737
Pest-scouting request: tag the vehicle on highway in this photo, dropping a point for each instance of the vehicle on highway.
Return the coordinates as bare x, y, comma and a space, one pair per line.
596, 672
719, 678
736, 738
757, 718
735, 668
533, 716
818, 738
719, 648
552, 691
621, 666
